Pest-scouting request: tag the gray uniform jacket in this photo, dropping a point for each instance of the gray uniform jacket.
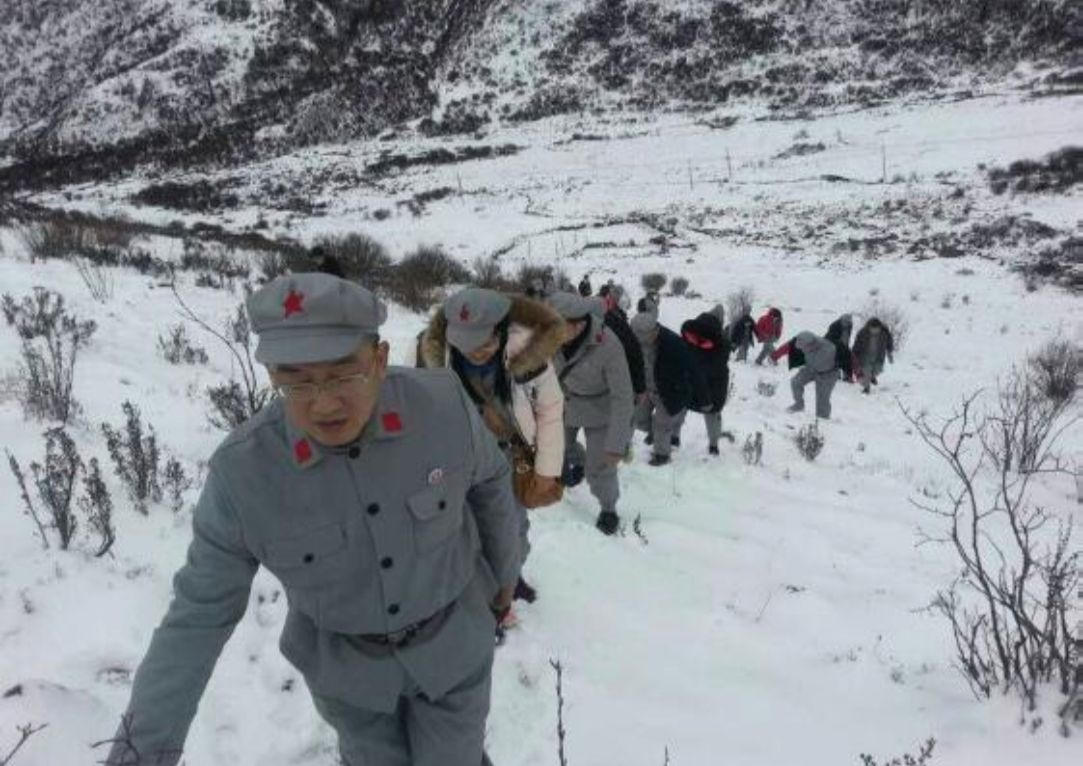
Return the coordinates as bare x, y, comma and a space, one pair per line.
419, 515
819, 352
598, 387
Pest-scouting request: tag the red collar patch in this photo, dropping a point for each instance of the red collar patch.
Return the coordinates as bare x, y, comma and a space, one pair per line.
302, 451
293, 304
464, 313
392, 423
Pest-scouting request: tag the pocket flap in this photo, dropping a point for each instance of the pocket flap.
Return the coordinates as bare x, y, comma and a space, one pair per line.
306, 549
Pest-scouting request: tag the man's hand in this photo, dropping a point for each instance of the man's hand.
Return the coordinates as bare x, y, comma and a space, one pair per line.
502, 603
613, 458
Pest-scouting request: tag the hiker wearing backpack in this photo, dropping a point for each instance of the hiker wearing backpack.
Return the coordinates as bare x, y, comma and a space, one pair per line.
598, 398
872, 346
818, 360
768, 332
673, 385
742, 335
711, 352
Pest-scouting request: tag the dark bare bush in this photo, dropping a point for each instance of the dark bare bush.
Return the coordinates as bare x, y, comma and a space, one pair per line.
420, 274
678, 286
809, 441
25, 733
1025, 421
51, 341
924, 757
272, 266
739, 303
97, 505
42, 314
488, 273
218, 265
176, 482
229, 405
97, 278
653, 282
54, 482
177, 347
55, 239
1055, 368
361, 258
135, 457
1009, 609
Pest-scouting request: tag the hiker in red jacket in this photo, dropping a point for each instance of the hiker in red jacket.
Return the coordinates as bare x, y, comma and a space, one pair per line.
768, 332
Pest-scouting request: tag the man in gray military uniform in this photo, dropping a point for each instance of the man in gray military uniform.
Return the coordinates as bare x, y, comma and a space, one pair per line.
383, 504
598, 397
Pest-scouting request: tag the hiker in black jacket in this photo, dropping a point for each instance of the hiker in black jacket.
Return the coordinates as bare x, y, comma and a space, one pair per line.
711, 351
617, 321
673, 385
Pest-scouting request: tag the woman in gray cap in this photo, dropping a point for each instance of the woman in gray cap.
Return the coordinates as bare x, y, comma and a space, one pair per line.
600, 400
500, 346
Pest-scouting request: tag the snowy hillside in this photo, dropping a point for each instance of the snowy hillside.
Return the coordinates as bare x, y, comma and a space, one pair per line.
766, 614
91, 89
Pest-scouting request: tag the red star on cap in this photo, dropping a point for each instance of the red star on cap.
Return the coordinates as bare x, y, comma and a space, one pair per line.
464, 313
392, 422
292, 304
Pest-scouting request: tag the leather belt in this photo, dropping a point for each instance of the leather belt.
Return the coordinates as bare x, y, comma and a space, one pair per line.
404, 636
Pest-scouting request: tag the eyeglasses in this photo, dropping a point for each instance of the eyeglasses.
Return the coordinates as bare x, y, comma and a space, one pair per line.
347, 385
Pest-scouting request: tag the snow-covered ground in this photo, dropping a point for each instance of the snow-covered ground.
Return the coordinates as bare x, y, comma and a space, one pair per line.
776, 614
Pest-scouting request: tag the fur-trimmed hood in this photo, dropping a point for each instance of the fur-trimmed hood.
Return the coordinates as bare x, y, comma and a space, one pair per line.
535, 334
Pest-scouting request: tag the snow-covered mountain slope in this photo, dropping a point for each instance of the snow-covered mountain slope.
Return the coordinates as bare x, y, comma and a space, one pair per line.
89, 89
776, 614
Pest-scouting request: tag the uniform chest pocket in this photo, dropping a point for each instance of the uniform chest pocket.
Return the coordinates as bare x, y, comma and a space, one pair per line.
312, 559
437, 510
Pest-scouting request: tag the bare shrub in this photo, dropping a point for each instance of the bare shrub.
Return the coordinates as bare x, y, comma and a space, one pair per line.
25, 733
28, 502
233, 402
177, 347
1055, 369
653, 282
488, 273
135, 457
55, 239
893, 317
1009, 608
97, 504
51, 341
809, 441
176, 483
361, 258
739, 303
1025, 423
752, 450
97, 278
420, 274
54, 482
679, 286
924, 756
271, 266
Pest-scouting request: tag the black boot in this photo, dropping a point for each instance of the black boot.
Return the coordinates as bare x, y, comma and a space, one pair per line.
675, 441
657, 460
524, 591
713, 449
608, 522
649, 440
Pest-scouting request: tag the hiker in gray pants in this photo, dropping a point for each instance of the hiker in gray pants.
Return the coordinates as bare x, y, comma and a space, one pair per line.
817, 358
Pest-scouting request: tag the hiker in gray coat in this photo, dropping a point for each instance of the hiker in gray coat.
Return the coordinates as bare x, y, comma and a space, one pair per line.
382, 503
818, 359
872, 346
598, 398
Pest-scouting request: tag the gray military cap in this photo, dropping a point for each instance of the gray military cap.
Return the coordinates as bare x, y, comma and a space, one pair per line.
472, 316
309, 318
573, 306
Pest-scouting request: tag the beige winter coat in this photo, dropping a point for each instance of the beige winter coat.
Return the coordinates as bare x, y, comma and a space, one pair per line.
534, 335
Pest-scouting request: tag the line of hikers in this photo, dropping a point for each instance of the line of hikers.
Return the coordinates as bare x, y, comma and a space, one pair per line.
542, 367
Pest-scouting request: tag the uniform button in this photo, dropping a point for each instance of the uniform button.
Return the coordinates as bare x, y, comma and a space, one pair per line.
387, 562
308, 558
442, 505
393, 609
354, 452
373, 509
